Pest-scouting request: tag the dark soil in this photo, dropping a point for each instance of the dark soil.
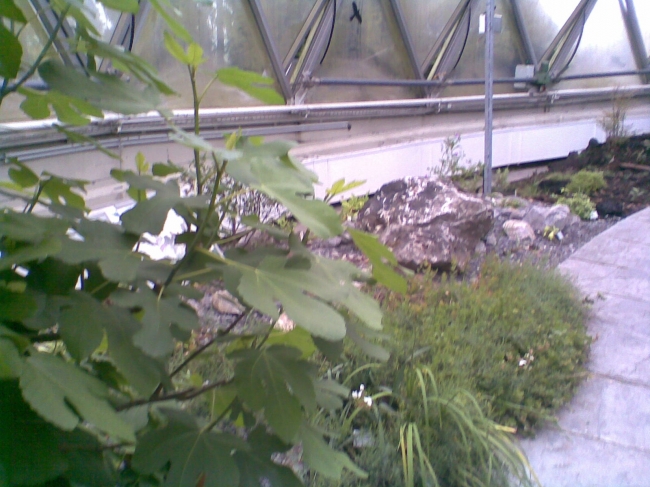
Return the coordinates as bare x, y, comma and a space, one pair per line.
625, 164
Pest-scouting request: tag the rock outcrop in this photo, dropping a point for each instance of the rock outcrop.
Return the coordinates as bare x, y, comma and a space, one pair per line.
427, 222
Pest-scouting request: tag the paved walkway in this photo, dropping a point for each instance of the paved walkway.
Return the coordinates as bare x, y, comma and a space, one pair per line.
603, 435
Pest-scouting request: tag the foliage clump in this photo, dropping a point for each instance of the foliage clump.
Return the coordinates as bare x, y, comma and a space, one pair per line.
469, 361
579, 203
586, 182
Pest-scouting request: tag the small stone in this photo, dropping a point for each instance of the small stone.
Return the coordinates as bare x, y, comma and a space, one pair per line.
480, 248
594, 215
518, 230
284, 323
491, 240
226, 303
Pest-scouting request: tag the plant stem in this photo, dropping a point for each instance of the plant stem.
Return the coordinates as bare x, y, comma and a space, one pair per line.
197, 130
184, 395
199, 350
30, 207
6, 90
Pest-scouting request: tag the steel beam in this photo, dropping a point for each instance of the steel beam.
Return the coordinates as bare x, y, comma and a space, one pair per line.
636, 38
558, 52
406, 38
306, 28
271, 50
489, 93
443, 41
523, 32
49, 19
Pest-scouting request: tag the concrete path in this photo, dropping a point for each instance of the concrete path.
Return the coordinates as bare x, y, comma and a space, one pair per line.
603, 435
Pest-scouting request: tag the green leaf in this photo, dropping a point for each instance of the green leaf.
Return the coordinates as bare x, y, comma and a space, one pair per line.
81, 325
372, 350
45, 248
330, 394
11, 53
22, 175
83, 139
53, 277
331, 350
382, 259
11, 364
10, 11
129, 6
277, 380
175, 49
251, 83
161, 6
195, 456
298, 338
103, 91
195, 55
221, 399
16, 306
159, 313
29, 450
60, 191
30, 228
64, 395
143, 372
258, 464
70, 110
340, 187
87, 463
321, 458
162, 170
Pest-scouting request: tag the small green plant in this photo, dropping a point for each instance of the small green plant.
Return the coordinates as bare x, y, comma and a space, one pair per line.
613, 121
586, 182
636, 193
352, 206
501, 183
579, 203
453, 163
552, 232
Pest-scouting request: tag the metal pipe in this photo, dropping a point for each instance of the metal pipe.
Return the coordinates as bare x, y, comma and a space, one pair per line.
271, 49
464, 82
128, 141
446, 31
406, 38
304, 30
636, 38
523, 32
489, 93
564, 31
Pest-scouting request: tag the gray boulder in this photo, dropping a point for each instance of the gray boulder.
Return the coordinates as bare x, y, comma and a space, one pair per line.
539, 217
427, 221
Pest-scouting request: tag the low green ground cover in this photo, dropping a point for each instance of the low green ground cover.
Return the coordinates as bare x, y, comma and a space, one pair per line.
497, 355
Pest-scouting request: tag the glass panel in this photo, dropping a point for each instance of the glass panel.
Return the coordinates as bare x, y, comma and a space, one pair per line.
642, 8
508, 52
226, 31
285, 19
366, 49
105, 20
33, 37
544, 19
604, 47
425, 20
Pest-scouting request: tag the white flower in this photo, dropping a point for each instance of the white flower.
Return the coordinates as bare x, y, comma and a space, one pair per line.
368, 401
522, 362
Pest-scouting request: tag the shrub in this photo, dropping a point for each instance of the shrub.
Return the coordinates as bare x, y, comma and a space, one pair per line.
513, 342
580, 204
586, 182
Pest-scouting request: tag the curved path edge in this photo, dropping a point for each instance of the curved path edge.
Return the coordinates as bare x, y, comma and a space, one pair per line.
602, 438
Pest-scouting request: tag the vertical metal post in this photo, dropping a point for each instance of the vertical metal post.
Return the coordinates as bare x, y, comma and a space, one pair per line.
636, 38
271, 50
489, 92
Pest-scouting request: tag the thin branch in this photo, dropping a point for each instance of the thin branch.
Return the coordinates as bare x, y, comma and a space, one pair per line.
184, 395
199, 350
30, 72
197, 130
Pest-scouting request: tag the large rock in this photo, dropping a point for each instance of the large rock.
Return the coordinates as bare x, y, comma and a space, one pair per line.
427, 221
539, 217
